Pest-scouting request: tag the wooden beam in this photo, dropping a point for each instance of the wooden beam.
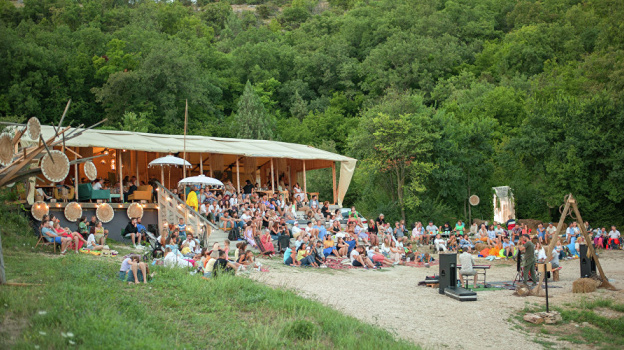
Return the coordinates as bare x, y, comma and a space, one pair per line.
120, 170
76, 181
237, 175
272, 177
334, 181
305, 182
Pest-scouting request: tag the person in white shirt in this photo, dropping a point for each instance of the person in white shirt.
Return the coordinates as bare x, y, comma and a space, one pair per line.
439, 243
359, 258
192, 243
541, 253
176, 259
97, 184
550, 231
203, 210
467, 262
614, 238
91, 244
296, 230
431, 231
213, 212
234, 200
499, 231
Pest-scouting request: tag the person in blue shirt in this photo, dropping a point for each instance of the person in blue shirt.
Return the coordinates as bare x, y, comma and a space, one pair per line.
182, 229
322, 231
140, 226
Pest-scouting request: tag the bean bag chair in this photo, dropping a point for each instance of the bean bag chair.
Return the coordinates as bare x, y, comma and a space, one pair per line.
572, 248
494, 251
485, 252
501, 253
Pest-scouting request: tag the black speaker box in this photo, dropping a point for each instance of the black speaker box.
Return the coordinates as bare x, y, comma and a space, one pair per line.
588, 266
448, 270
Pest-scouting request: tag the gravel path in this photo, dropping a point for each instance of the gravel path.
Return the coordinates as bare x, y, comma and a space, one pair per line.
392, 300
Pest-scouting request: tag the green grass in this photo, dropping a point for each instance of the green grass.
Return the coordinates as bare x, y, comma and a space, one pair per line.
80, 294
599, 331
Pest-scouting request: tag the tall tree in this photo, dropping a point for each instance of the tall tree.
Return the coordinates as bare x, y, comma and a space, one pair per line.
399, 146
252, 120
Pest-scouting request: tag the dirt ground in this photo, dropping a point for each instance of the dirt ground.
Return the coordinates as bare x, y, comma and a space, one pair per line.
392, 299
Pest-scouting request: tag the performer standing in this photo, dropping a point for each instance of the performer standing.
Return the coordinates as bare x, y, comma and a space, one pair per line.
528, 261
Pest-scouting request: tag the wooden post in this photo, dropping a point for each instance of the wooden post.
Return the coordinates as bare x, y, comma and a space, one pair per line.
2, 274
162, 175
289, 167
305, 182
237, 176
147, 178
211, 167
184, 163
136, 161
272, 178
201, 164
334, 180
121, 194
76, 181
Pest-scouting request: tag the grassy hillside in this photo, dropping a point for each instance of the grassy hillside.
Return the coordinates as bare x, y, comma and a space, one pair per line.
78, 301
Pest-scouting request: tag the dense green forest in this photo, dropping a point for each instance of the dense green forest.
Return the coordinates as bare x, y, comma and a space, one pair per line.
437, 99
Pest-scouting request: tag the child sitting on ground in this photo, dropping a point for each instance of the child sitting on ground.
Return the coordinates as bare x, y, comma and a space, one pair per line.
91, 244
133, 270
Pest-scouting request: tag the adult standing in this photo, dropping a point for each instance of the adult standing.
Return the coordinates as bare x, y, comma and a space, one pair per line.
528, 261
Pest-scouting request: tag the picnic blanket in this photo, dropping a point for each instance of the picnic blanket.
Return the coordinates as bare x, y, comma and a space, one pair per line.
421, 264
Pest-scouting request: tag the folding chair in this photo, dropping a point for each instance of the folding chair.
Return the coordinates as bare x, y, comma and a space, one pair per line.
43, 241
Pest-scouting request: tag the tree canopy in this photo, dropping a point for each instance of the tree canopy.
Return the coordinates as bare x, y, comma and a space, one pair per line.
480, 93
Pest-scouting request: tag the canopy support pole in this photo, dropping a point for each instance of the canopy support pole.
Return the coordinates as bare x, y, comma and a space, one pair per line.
76, 174
272, 177
136, 161
334, 181
201, 164
147, 178
211, 167
184, 156
305, 182
237, 176
289, 167
119, 165
162, 175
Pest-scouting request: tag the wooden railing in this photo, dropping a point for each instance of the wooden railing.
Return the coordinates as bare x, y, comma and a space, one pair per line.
171, 209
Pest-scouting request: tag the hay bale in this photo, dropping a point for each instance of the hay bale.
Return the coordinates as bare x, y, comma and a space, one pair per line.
522, 290
532, 224
480, 246
584, 285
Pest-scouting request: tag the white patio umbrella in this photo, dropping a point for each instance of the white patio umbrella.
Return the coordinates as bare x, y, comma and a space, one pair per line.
168, 160
200, 180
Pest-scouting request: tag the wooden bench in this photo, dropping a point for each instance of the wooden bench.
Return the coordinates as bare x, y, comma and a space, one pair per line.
480, 270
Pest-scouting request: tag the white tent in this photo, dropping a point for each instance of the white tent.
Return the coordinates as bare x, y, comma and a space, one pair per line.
313, 158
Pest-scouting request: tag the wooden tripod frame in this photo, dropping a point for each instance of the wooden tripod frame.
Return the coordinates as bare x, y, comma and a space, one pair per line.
570, 205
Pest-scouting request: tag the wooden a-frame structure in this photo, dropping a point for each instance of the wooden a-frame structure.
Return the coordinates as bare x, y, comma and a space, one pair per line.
570, 208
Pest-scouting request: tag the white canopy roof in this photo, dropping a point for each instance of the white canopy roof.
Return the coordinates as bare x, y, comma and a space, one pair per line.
175, 143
